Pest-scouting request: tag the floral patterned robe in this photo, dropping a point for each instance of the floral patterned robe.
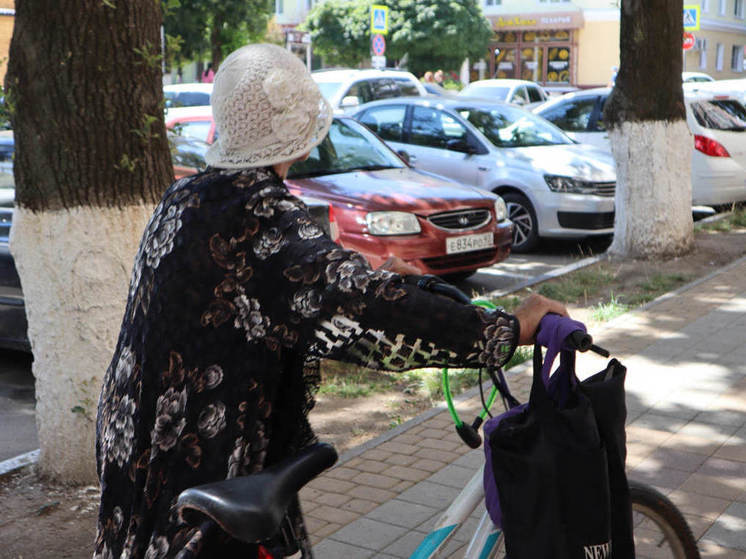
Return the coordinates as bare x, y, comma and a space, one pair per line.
235, 296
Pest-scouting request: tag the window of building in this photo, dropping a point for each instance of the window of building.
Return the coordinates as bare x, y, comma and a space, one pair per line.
720, 53
705, 5
703, 54
552, 1
723, 7
736, 58
492, 2
738, 8
279, 6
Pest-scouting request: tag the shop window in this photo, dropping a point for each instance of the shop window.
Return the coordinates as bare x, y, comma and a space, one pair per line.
720, 54
558, 65
736, 58
505, 59
532, 63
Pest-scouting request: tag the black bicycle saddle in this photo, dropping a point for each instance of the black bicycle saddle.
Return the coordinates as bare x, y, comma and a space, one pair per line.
251, 508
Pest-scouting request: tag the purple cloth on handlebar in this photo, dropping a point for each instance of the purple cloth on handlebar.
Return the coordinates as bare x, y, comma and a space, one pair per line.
553, 330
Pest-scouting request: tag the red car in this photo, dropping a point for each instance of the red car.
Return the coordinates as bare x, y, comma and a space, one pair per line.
382, 207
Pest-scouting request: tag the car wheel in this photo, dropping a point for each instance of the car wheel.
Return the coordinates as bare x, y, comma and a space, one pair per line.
523, 216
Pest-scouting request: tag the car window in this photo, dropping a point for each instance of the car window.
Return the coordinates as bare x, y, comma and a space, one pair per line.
500, 92
433, 128
361, 90
534, 94
387, 122
406, 87
384, 88
199, 129
329, 89
186, 98
572, 116
519, 94
510, 127
348, 147
726, 114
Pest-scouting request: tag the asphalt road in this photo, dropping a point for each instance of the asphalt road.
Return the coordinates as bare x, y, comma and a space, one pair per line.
17, 424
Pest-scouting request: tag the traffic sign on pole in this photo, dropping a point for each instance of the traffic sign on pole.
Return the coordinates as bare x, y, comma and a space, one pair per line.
378, 45
691, 17
689, 40
379, 19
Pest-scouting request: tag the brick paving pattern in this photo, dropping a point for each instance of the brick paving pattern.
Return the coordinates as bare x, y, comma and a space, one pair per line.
686, 399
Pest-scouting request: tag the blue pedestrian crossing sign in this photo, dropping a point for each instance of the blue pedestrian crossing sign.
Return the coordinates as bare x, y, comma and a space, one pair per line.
379, 19
691, 17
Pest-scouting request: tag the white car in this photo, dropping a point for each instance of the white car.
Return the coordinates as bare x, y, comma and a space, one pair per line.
552, 186
696, 77
347, 89
518, 92
187, 94
717, 123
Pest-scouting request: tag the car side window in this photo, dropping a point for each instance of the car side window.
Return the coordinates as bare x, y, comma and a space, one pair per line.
406, 87
361, 90
519, 95
387, 122
199, 129
572, 116
433, 128
534, 94
384, 88
598, 125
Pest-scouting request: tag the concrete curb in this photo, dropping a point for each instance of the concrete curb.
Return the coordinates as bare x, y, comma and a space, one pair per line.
14, 464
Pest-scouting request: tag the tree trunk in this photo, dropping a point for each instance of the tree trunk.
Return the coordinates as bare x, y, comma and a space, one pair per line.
92, 158
650, 140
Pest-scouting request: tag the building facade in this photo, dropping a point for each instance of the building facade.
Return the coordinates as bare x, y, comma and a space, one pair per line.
576, 42
7, 17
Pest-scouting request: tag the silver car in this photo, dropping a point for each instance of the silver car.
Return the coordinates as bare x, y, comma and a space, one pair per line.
553, 186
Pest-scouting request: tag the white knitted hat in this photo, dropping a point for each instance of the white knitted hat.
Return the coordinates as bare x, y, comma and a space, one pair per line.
267, 109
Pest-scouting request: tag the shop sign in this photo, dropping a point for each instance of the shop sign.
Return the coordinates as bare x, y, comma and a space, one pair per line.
550, 20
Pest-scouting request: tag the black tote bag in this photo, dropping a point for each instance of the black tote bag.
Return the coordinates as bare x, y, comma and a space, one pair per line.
551, 471
605, 390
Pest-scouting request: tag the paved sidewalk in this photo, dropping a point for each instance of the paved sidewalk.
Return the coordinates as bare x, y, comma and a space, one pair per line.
686, 398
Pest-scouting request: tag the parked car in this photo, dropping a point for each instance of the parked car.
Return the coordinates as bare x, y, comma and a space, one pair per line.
195, 122
346, 89
438, 90
187, 154
717, 123
552, 186
383, 207
187, 94
691, 77
518, 92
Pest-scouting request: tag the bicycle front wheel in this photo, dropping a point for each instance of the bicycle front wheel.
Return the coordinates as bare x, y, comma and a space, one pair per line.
661, 531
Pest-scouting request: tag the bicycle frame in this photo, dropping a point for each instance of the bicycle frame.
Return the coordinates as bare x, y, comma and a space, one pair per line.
485, 537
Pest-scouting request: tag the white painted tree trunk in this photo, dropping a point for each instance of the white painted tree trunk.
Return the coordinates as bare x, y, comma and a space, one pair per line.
75, 268
653, 194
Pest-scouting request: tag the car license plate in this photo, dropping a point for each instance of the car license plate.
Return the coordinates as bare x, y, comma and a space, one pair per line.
468, 243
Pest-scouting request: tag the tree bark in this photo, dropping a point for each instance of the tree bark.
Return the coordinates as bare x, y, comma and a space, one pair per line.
84, 86
650, 140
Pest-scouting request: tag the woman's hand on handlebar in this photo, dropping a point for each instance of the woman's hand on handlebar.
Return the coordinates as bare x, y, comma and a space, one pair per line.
531, 311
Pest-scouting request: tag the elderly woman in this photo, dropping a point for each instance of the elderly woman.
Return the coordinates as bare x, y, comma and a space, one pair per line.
235, 296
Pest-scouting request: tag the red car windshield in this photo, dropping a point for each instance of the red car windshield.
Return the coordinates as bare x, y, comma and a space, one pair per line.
347, 148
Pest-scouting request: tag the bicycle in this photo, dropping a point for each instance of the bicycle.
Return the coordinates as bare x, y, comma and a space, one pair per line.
252, 508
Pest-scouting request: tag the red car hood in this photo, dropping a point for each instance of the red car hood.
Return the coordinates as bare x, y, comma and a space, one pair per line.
391, 189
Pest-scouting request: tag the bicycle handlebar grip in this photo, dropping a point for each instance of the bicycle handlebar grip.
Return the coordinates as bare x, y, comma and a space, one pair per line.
469, 435
579, 340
